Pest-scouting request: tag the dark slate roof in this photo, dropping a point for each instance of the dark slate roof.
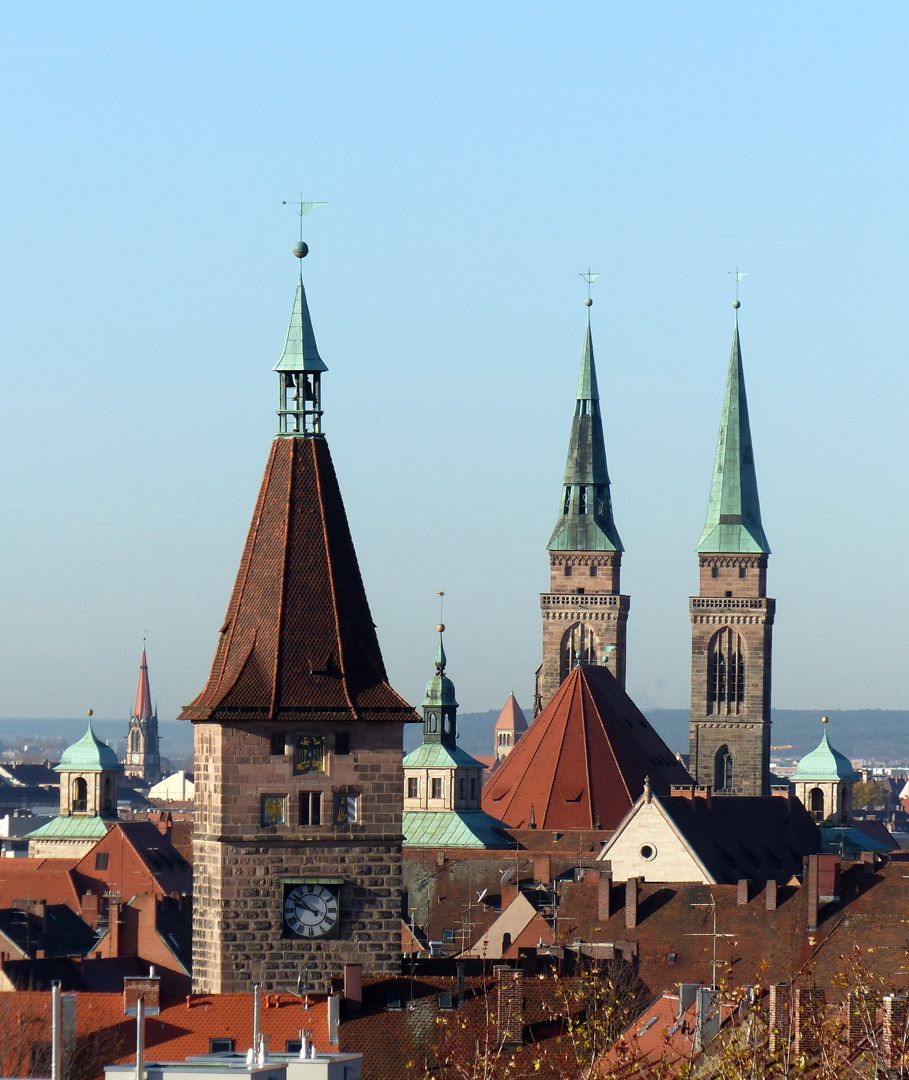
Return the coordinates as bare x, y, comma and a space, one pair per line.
60, 934
759, 837
582, 762
298, 640
30, 774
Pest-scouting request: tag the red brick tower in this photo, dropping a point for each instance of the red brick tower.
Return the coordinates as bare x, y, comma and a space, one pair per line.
298, 736
584, 612
732, 618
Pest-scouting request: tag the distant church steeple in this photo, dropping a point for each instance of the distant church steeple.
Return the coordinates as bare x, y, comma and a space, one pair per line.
143, 750
732, 617
585, 553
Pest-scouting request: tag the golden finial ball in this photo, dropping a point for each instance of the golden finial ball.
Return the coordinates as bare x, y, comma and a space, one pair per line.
440, 627
825, 719
90, 713
588, 302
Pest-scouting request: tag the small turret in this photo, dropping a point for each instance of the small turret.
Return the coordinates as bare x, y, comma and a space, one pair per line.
300, 369
440, 710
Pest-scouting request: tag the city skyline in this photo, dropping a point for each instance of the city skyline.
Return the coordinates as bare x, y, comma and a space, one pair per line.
470, 181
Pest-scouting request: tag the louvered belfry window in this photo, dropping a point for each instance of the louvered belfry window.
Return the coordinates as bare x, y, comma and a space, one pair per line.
726, 673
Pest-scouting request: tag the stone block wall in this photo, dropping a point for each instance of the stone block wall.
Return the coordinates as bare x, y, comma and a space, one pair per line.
239, 862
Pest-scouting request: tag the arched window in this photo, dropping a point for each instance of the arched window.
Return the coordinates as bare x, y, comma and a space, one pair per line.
579, 646
722, 770
135, 742
816, 803
725, 673
80, 796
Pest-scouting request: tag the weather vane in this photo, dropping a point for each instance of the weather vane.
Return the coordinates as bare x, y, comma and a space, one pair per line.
590, 277
739, 275
303, 208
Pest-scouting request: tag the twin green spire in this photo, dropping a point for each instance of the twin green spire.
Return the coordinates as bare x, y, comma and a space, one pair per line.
734, 514
585, 522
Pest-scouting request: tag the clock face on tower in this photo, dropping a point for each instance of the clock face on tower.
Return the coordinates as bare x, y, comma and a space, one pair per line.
311, 910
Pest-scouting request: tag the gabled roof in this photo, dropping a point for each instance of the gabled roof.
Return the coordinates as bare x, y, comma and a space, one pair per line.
58, 933
511, 718
760, 837
298, 640
734, 512
39, 879
141, 860
582, 762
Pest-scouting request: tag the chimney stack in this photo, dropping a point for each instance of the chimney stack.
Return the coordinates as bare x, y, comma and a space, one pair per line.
741, 892
770, 895
353, 989
780, 1017
896, 1015
631, 902
808, 1017
510, 1007
604, 896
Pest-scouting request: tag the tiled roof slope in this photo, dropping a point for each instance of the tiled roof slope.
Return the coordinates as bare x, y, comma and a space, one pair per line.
582, 762
759, 838
52, 880
511, 718
298, 640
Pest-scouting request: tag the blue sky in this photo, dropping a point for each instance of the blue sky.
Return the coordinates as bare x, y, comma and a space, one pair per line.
476, 158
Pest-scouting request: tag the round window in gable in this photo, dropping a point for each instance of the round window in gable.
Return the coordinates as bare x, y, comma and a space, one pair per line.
648, 852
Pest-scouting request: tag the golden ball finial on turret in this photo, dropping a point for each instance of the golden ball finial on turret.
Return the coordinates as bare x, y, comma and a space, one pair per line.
825, 719
441, 627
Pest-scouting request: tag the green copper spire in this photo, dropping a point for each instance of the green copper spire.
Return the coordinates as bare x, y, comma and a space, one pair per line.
300, 369
734, 514
585, 522
440, 709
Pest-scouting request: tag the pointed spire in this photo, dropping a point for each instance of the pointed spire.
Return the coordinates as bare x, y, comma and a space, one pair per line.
734, 513
142, 710
586, 522
300, 369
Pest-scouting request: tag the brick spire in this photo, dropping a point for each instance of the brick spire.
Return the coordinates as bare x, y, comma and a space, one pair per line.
298, 641
585, 522
143, 710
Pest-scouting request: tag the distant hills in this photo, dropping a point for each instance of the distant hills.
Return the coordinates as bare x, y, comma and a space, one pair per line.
873, 735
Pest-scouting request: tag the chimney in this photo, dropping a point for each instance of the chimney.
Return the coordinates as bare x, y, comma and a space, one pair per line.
631, 902
459, 968
861, 1016
811, 884
510, 1007
164, 822
780, 1017
894, 1031
509, 893
146, 987
604, 896
807, 1019
770, 895
89, 905
334, 1018
542, 868
682, 791
353, 989
741, 892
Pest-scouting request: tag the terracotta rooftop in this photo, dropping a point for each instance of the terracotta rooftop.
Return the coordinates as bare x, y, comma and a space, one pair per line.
582, 762
511, 718
38, 879
298, 639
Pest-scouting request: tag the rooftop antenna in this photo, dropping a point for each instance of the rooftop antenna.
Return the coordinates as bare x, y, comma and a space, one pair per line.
712, 934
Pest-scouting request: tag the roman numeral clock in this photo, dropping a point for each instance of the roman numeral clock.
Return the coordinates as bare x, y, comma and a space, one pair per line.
311, 909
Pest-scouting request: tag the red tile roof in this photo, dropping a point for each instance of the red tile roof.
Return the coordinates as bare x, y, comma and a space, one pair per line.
39, 879
298, 638
582, 762
143, 707
511, 718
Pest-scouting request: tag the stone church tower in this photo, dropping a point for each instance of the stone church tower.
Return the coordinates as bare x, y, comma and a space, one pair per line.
143, 753
732, 618
298, 736
584, 612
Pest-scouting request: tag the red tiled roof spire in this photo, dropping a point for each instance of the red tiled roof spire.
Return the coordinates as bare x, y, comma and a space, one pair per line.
298, 640
511, 718
582, 762
143, 710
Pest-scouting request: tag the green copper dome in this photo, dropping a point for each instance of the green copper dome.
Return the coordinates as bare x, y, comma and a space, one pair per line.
89, 754
440, 689
825, 763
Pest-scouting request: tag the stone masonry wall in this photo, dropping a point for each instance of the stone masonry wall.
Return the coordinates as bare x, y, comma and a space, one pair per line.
238, 934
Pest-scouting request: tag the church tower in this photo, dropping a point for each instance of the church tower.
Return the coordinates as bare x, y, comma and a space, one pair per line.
298, 736
732, 618
584, 612
143, 754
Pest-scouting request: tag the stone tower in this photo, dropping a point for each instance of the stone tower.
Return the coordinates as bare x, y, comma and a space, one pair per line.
143, 754
732, 617
298, 736
584, 612
509, 727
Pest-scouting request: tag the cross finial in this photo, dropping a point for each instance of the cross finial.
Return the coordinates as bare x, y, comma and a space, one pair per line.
590, 277
303, 207
739, 276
